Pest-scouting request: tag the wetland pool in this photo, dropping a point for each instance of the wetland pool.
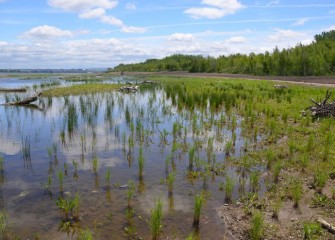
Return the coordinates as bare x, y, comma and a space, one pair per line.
91, 145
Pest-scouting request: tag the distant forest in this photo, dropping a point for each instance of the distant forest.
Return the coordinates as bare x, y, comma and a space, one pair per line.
315, 59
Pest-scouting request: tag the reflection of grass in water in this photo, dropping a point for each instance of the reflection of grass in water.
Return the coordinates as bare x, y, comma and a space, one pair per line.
140, 163
26, 151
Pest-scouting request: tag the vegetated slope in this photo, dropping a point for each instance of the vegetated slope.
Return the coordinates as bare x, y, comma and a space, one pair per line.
315, 59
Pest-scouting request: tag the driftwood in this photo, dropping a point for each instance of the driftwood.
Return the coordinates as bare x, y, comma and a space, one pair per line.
129, 88
326, 225
323, 108
25, 101
280, 86
13, 90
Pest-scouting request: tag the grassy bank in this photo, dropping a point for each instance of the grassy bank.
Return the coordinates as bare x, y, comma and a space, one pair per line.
80, 89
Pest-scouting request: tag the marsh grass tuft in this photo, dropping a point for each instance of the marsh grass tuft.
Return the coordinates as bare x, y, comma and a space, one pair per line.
155, 220
198, 201
257, 224
229, 188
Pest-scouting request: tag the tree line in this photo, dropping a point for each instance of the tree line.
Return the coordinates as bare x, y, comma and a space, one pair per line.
315, 59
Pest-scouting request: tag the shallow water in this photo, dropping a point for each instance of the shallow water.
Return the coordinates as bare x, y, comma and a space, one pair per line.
47, 139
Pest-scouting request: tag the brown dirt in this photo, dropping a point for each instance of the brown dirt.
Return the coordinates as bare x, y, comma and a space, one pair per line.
289, 225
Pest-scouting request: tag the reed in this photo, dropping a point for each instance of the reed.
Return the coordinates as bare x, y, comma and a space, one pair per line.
60, 180
140, 163
229, 188
170, 182
108, 176
95, 164
198, 201
130, 193
257, 225
155, 221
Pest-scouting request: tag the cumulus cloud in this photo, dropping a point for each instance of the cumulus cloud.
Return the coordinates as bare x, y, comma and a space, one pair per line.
130, 29
131, 6
82, 5
181, 37
96, 9
94, 13
237, 39
46, 31
108, 19
214, 9
282, 34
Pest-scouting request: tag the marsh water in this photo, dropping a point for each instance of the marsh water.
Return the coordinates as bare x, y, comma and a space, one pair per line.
66, 134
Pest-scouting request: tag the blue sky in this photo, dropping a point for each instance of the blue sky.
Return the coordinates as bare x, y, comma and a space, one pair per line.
104, 33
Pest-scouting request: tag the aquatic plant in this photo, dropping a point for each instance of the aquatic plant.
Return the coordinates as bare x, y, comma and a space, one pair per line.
85, 235
108, 176
95, 164
254, 180
155, 221
60, 180
257, 225
130, 192
140, 163
229, 188
198, 201
3, 223
170, 181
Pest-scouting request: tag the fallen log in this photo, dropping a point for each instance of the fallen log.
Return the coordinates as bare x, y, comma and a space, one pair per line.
326, 225
25, 101
129, 88
13, 90
280, 86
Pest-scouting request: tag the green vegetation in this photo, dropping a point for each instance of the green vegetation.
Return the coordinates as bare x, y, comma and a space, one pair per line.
257, 225
81, 89
315, 59
198, 201
155, 220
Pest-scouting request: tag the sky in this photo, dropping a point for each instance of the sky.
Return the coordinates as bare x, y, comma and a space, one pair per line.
104, 33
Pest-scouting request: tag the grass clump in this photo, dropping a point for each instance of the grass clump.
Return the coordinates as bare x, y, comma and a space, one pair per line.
154, 223
257, 224
81, 89
198, 201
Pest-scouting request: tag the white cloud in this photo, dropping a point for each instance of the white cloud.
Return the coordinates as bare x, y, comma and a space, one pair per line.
45, 32
275, 2
301, 22
94, 13
82, 5
3, 43
282, 34
211, 13
130, 29
111, 20
229, 6
131, 6
330, 28
215, 9
181, 37
238, 39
